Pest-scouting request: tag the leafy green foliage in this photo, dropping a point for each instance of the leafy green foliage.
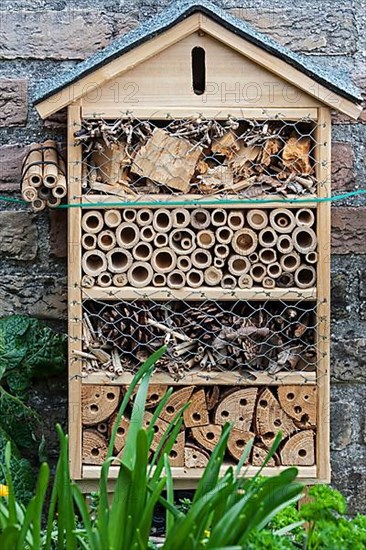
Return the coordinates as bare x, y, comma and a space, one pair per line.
20, 469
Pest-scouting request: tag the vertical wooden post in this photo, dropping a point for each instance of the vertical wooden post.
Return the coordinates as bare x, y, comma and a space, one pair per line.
323, 286
74, 289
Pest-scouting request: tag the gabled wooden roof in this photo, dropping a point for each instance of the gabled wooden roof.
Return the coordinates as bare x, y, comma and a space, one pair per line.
182, 19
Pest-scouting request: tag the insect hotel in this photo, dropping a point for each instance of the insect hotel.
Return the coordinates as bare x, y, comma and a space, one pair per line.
199, 217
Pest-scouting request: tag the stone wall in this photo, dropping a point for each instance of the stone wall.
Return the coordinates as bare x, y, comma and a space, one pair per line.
39, 38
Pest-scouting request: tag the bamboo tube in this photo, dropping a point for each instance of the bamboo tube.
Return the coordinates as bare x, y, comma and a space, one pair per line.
218, 217
60, 189
290, 262
205, 238
94, 262
129, 214
274, 270
267, 255
162, 221
182, 241
89, 241
268, 282
120, 279
176, 279
181, 217
104, 279
87, 281
285, 280
305, 276
311, 257
201, 258
228, 281
257, 219
44, 193
194, 278
112, 218
236, 220
50, 166
282, 220
53, 202
285, 244
238, 265
258, 272
159, 279
163, 260
29, 193
244, 242
140, 274
245, 281
212, 276
305, 217
268, 237
224, 235
119, 260
200, 218
304, 239
161, 240
221, 251
219, 263
92, 221
147, 234
254, 258
142, 252
38, 204
184, 263
144, 217
127, 235
32, 169
106, 240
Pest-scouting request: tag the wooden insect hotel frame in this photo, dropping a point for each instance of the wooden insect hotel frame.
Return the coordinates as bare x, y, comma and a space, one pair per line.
198, 186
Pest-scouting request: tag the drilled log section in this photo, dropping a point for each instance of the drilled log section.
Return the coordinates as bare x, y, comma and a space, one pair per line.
194, 457
94, 447
201, 258
270, 418
285, 244
238, 408
282, 220
176, 402
257, 219
268, 237
196, 413
228, 282
218, 217
161, 240
140, 274
304, 240
94, 262
259, 455
112, 218
104, 280
142, 252
162, 220
245, 281
144, 217
181, 217
207, 436
167, 160
32, 170
163, 260
296, 155
299, 450
267, 256
89, 241
160, 427
119, 260
258, 272
176, 279
300, 404
147, 234
127, 235
176, 455
274, 270
182, 241
92, 221
120, 279
238, 265
237, 441
224, 235
195, 278
200, 218
290, 262
212, 276
122, 430
106, 240
184, 263
305, 276
50, 166
244, 242
236, 220
98, 403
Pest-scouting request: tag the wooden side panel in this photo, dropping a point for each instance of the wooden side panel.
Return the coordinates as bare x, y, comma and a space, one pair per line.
74, 290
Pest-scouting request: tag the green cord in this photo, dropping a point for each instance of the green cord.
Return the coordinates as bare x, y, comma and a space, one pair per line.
200, 202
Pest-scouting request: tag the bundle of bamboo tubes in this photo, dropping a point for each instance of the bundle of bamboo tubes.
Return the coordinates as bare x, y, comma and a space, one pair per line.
199, 247
255, 413
44, 176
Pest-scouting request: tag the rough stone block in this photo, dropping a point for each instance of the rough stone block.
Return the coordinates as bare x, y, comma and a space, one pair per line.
349, 230
11, 158
58, 233
340, 296
341, 425
13, 102
343, 160
348, 357
18, 236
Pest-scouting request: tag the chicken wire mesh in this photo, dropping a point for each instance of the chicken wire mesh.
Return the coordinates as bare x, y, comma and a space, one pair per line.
199, 156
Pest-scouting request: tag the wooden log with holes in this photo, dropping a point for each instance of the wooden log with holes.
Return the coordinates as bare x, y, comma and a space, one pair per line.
270, 418
176, 455
194, 457
122, 430
238, 408
160, 427
300, 404
207, 436
176, 402
299, 449
196, 413
259, 455
98, 403
237, 442
94, 447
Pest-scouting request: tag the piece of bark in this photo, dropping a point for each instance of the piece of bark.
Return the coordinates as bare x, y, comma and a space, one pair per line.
176, 456
226, 145
299, 402
176, 401
259, 455
195, 457
270, 149
168, 160
296, 155
299, 450
196, 413
160, 427
244, 161
238, 408
111, 164
98, 403
237, 441
270, 418
122, 430
207, 436
95, 447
